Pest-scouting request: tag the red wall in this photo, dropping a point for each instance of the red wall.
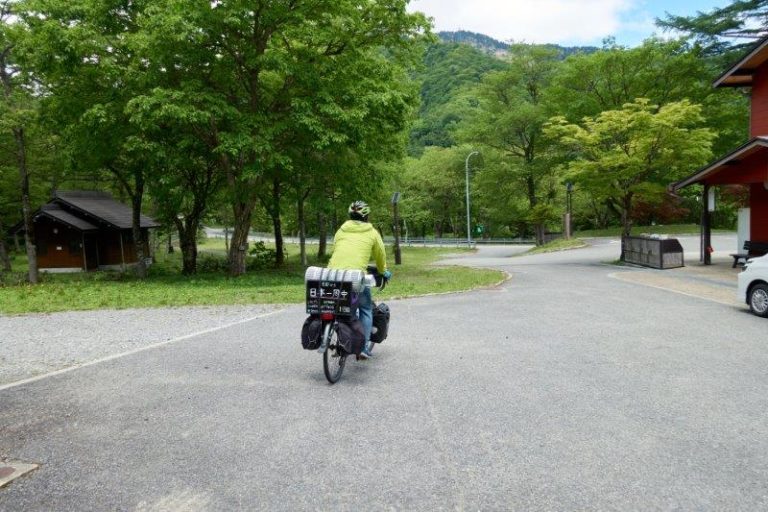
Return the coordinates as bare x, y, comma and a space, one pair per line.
751, 169
758, 207
759, 115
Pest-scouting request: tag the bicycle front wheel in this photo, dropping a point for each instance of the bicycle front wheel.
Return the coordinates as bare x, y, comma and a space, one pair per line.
334, 356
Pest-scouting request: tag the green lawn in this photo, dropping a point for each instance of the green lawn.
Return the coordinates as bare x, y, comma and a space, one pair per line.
557, 245
166, 287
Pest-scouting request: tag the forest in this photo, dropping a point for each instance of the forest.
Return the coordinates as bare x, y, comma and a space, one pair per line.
274, 116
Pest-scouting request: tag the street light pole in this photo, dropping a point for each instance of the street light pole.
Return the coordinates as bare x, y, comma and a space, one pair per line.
466, 170
568, 208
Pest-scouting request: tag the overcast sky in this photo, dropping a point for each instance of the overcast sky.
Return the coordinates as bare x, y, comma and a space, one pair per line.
565, 22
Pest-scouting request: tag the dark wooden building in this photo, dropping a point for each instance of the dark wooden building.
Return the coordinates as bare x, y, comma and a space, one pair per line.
86, 230
746, 165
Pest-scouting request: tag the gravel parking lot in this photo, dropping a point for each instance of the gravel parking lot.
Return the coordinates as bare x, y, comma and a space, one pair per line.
33, 345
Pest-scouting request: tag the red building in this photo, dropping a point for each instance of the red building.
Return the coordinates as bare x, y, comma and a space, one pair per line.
85, 230
748, 164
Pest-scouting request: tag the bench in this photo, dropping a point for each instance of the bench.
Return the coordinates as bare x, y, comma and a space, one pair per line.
750, 247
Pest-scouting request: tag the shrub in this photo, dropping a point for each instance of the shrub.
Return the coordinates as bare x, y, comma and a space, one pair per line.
209, 264
261, 257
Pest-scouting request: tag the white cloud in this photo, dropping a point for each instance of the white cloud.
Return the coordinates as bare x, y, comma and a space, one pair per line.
531, 21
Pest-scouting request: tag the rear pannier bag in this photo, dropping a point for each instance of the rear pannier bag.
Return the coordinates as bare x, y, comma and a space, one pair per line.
380, 323
312, 333
351, 336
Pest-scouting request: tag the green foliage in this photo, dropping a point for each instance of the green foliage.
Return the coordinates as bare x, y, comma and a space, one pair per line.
718, 29
512, 108
448, 67
209, 264
635, 151
661, 71
262, 257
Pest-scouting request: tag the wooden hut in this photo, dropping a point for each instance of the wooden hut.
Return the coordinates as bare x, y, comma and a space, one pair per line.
85, 230
746, 165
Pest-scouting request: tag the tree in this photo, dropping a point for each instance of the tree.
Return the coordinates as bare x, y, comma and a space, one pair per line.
509, 118
16, 113
261, 59
433, 191
661, 71
82, 52
188, 178
635, 151
717, 29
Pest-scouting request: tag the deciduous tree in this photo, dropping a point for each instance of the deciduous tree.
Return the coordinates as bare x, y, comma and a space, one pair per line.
634, 151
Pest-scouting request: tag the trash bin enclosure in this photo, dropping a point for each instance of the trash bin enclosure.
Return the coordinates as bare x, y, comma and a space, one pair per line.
654, 252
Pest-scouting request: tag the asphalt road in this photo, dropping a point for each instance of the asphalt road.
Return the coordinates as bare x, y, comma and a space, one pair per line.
563, 389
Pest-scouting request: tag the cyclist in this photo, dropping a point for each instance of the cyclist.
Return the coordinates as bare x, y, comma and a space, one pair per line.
355, 243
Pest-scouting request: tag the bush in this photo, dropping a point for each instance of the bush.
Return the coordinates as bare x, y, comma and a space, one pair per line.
261, 257
13, 278
211, 264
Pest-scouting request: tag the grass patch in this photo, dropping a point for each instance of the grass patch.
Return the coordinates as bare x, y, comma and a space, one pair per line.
167, 287
672, 229
558, 245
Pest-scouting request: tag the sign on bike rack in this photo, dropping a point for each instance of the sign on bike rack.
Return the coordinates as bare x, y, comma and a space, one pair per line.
332, 291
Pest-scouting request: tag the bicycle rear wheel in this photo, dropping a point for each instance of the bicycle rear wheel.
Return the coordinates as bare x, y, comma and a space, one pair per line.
334, 356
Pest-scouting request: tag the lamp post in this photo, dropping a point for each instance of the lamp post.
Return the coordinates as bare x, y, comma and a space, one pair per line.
466, 169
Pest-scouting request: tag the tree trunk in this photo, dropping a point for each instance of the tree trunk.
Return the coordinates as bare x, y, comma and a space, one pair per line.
4, 259
26, 204
626, 220
322, 228
138, 240
226, 240
188, 243
238, 246
277, 224
302, 232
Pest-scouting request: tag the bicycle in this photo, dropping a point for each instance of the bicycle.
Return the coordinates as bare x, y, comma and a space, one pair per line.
332, 298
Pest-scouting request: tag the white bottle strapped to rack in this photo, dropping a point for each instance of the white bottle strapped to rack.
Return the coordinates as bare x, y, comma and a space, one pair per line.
356, 277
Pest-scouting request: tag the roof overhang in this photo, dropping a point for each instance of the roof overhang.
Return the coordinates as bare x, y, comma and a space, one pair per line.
78, 224
742, 73
728, 161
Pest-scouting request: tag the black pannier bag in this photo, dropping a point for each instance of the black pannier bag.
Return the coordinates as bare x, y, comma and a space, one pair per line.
380, 323
351, 336
312, 333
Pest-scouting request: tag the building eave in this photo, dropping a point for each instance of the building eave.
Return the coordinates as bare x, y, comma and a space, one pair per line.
741, 73
715, 167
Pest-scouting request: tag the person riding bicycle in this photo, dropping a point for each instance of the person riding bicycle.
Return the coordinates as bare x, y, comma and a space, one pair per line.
355, 243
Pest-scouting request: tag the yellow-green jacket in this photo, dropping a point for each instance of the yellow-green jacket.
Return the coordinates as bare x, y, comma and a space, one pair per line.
355, 244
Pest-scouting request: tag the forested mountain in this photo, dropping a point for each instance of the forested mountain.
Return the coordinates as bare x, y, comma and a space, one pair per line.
447, 68
460, 60
494, 46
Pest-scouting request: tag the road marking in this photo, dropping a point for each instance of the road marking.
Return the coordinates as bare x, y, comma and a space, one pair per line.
3, 387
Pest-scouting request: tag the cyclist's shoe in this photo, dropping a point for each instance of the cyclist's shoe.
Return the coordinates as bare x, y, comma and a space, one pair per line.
364, 355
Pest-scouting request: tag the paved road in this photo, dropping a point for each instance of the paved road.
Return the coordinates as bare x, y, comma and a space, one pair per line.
563, 389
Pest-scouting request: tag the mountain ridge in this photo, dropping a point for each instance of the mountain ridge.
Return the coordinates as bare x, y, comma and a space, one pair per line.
495, 47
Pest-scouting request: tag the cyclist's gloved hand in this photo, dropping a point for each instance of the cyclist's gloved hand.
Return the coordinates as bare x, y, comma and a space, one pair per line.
387, 275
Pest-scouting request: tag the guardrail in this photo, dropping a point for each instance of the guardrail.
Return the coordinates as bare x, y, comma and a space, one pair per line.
407, 242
